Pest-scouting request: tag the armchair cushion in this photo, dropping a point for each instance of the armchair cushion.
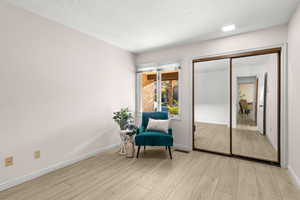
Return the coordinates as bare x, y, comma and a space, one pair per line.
142, 129
153, 115
153, 138
158, 125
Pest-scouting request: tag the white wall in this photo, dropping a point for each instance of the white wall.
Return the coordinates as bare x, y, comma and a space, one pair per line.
293, 93
185, 54
58, 91
212, 96
261, 98
272, 100
248, 91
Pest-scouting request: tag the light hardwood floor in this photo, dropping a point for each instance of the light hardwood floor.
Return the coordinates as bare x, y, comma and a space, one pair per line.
213, 137
253, 144
154, 176
216, 137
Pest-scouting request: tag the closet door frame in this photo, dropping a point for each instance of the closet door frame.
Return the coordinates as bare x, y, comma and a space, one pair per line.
231, 57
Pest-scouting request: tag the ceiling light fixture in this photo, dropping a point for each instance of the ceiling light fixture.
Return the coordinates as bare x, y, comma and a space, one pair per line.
227, 28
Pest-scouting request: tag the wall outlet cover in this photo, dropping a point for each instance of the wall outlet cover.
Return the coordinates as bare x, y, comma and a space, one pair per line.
9, 161
37, 154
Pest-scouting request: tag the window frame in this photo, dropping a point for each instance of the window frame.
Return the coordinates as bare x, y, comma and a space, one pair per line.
158, 69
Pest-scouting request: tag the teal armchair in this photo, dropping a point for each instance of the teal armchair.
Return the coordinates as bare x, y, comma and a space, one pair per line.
153, 138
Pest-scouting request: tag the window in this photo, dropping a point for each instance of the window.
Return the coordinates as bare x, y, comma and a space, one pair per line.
149, 91
158, 89
169, 92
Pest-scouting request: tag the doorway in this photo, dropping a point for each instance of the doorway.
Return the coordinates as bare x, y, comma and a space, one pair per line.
246, 110
236, 105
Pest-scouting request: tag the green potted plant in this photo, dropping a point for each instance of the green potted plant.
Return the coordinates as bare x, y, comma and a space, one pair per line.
132, 129
123, 118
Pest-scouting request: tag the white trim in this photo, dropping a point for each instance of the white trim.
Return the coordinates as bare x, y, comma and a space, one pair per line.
180, 83
158, 90
157, 67
213, 122
175, 117
284, 107
33, 175
295, 178
139, 94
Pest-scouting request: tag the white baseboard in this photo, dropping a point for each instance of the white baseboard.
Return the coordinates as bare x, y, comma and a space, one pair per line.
33, 175
212, 122
294, 176
182, 147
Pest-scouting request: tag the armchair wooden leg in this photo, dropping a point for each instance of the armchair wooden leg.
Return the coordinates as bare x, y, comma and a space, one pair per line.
138, 151
144, 148
170, 152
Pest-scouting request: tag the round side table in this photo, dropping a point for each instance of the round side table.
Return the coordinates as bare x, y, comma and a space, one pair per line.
123, 136
130, 146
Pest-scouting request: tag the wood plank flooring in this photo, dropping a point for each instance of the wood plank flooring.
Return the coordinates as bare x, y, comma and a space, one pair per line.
213, 137
250, 143
154, 176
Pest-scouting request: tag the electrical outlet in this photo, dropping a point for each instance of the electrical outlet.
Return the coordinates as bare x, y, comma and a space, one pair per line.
9, 161
37, 154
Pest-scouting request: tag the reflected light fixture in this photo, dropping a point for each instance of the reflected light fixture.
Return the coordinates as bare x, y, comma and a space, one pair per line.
227, 28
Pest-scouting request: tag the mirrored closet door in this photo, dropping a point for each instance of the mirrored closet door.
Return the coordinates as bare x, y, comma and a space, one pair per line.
212, 106
255, 106
236, 105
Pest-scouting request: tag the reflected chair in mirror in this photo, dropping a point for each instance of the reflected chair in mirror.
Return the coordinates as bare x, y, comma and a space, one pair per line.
244, 108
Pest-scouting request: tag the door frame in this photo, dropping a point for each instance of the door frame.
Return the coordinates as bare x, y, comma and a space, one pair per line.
276, 50
256, 100
265, 102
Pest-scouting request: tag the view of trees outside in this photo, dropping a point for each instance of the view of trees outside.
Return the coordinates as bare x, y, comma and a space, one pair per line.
169, 92
149, 97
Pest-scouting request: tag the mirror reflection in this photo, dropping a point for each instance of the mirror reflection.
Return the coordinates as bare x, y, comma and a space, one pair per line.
255, 106
211, 106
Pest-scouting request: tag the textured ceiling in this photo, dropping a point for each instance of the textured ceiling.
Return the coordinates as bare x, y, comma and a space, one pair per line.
141, 25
